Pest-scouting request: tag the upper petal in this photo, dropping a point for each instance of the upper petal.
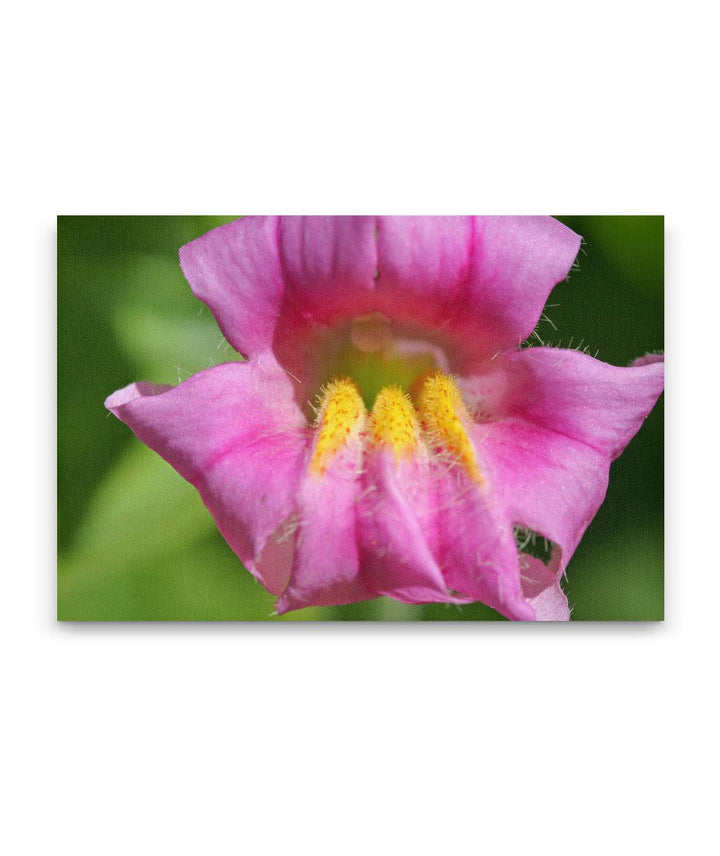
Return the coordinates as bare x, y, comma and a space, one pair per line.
329, 265
481, 280
235, 433
250, 271
236, 271
516, 263
476, 284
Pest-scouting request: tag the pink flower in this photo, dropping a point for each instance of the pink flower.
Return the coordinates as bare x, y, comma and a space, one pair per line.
417, 491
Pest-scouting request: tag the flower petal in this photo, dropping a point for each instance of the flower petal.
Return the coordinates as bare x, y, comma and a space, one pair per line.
546, 482
236, 271
326, 567
516, 263
427, 258
329, 265
570, 393
542, 590
235, 433
477, 550
561, 417
326, 564
481, 280
398, 529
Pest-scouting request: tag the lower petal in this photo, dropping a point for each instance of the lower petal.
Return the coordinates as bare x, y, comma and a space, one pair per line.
546, 482
398, 530
326, 564
542, 589
236, 434
477, 550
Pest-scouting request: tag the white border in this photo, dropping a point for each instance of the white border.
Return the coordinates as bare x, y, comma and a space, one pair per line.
358, 739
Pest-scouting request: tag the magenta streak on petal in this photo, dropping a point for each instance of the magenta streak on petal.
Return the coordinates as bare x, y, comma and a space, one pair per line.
569, 393
328, 264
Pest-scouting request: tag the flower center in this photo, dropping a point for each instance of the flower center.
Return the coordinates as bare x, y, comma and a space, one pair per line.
440, 422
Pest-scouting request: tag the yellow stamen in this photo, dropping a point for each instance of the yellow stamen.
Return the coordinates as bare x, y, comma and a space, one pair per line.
444, 417
393, 422
341, 416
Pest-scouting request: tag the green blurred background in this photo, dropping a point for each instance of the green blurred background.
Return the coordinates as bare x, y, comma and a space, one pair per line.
134, 540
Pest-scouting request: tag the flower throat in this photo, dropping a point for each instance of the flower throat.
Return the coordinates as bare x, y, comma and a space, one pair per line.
377, 354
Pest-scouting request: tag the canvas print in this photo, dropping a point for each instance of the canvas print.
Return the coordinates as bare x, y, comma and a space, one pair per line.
360, 418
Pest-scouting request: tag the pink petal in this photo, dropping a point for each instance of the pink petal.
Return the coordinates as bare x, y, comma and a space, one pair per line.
477, 551
398, 529
542, 590
326, 563
329, 265
516, 263
426, 258
236, 271
235, 433
570, 393
648, 360
481, 281
560, 418
546, 482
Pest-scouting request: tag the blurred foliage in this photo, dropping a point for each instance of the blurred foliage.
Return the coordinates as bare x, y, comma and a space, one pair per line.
134, 539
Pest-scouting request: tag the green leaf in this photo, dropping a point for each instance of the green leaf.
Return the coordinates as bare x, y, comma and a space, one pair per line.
142, 510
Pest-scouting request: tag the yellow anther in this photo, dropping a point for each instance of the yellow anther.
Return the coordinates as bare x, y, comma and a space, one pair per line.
341, 417
393, 422
444, 417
